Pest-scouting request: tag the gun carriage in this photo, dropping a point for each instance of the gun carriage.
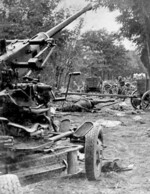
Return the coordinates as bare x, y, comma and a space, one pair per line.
29, 139
141, 96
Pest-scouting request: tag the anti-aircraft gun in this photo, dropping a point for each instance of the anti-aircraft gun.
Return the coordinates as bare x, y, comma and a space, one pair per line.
18, 58
23, 119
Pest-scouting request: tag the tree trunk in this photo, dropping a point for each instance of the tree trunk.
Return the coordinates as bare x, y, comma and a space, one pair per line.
145, 55
145, 59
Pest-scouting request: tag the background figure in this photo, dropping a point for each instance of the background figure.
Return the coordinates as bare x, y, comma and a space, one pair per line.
121, 85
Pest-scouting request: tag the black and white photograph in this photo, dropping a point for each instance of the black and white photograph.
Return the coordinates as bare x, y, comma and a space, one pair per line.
74, 96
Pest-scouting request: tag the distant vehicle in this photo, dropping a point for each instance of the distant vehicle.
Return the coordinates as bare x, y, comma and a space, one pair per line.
93, 84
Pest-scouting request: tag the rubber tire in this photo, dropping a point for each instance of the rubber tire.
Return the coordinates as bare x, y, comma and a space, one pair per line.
93, 146
144, 107
9, 184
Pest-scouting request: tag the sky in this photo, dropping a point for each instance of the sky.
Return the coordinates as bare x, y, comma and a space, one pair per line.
95, 20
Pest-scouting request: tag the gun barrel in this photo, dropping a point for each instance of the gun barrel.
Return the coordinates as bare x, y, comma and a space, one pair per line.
44, 87
63, 24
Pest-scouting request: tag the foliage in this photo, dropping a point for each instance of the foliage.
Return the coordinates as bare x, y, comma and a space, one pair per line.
135, 19
135, 64
18, 18
68, 55
102, 50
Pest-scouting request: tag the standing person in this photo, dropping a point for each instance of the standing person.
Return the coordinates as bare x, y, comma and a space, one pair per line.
121, 83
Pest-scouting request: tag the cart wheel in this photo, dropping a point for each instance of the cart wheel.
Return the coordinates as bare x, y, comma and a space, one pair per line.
93, 153
136, 100
146, 100
9, 184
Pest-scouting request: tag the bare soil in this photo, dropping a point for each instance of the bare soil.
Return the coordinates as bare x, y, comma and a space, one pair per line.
128, 142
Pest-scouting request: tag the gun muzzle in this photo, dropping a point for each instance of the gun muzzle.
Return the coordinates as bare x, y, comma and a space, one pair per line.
63, 24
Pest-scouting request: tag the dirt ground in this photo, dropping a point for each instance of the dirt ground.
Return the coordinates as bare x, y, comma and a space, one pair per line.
128, 142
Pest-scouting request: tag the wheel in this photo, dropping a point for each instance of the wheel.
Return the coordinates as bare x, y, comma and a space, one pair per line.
9, 184
146, 100
136, 100
93, 153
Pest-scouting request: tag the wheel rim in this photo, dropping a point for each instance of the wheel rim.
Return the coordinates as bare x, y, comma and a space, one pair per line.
145, 104
135, 95
98, 158
146, 100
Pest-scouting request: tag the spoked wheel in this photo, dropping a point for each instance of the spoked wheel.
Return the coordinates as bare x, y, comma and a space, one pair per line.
136, 100
146, 100
93, 153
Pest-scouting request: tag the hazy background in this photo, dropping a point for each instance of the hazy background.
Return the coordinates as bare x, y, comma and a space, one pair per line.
94, 20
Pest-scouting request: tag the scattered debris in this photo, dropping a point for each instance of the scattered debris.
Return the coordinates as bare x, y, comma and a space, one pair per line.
120, 114
113, 166
122, 106
81, 156
108, 123
137, 118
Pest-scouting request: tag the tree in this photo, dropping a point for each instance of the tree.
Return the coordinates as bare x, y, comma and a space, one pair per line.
66, 58
24, 19
101, 50
135, 19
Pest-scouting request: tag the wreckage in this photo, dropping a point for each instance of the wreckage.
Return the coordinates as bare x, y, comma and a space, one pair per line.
28, 136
